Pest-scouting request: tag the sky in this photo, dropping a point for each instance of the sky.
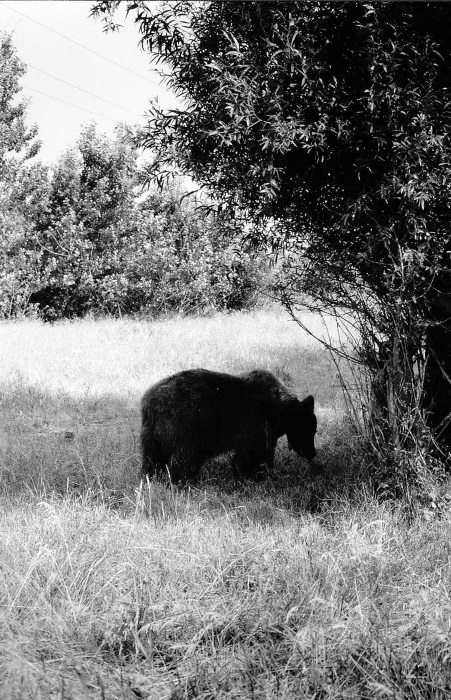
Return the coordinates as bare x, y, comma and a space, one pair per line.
44, 34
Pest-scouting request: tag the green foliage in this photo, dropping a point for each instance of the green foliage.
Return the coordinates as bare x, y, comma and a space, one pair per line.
104, 249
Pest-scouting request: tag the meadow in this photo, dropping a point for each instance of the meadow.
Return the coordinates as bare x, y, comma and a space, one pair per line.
300, 586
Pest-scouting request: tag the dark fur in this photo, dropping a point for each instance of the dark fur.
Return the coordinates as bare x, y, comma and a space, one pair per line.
192, 416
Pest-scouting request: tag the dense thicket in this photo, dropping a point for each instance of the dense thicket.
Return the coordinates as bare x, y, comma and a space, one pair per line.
83, 237
329, 125
103, 246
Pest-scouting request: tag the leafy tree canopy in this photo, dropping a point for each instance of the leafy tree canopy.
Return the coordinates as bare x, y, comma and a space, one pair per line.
331, 117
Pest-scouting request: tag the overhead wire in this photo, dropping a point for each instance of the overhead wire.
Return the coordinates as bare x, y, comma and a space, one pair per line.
96, 53
71, 104
83, 90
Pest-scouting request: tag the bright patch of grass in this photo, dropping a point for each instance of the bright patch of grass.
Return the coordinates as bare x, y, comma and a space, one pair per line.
302, 586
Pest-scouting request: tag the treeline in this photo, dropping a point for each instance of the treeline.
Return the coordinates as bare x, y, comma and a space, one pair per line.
83, 237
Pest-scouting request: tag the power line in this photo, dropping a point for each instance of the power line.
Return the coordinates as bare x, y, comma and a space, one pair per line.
80, 45
71, 104
83, 90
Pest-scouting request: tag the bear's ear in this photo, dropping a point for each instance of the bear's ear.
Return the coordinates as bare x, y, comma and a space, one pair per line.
309, 403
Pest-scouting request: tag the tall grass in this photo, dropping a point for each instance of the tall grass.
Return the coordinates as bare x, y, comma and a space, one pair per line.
302, 586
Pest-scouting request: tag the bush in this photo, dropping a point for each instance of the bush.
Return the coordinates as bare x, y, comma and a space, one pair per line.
91, 244
150, 263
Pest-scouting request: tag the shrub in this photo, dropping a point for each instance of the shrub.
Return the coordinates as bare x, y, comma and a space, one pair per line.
92, 244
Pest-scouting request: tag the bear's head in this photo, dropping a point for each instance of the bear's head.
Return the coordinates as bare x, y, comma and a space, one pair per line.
300, 426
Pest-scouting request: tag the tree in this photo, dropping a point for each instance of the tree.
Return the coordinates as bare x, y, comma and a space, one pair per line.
17, 142
103, 246
23, 186
91, 195
329, 125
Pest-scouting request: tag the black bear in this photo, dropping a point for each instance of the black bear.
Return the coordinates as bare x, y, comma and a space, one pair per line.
194, 415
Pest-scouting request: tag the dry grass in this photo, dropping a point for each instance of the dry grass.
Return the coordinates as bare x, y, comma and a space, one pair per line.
299, 587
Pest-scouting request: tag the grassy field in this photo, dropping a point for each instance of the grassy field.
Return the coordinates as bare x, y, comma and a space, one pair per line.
298, 587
